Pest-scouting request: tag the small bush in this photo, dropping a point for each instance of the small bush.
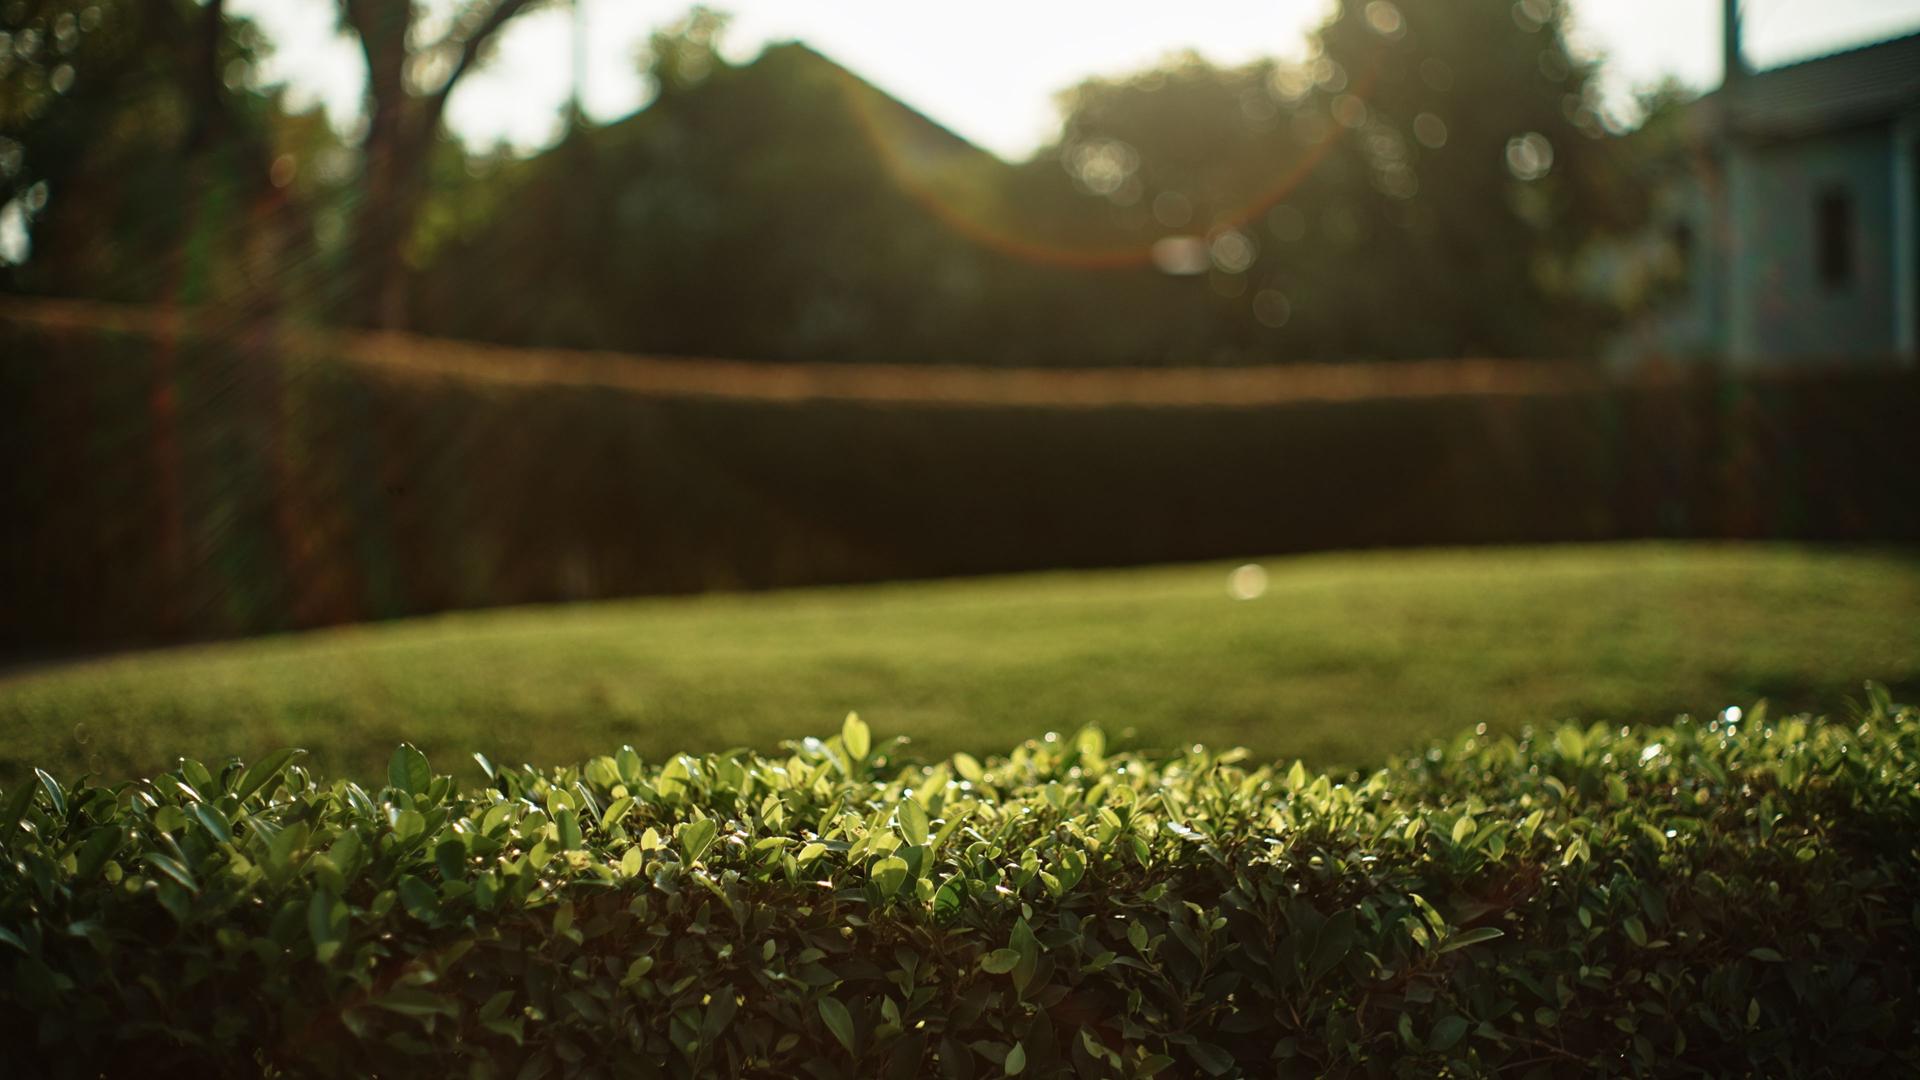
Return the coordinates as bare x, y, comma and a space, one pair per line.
1720, 899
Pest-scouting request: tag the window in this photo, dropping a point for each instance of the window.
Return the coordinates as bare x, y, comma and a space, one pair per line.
1681, 239
1833, 244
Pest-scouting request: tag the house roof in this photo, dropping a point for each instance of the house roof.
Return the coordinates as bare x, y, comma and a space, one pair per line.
1828, 93
928, 130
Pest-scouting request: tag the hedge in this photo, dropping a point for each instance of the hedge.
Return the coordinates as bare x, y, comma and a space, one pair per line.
1724, 898
215, 486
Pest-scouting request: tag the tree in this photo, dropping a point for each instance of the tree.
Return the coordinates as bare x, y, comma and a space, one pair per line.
407, 91
133, 168
1423, 183
1479, 143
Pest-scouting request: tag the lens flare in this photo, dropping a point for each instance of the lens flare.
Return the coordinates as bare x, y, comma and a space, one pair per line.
939, 183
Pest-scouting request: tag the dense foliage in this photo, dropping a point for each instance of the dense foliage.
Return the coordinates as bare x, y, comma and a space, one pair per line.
1727, 898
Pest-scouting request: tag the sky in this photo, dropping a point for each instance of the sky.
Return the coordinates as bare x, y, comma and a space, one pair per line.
989, 69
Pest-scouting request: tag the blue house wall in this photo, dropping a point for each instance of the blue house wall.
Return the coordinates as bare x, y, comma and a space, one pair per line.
1783, 306
1786, 227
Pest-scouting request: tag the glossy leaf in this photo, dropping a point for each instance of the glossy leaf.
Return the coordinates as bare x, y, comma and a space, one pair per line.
838, 1020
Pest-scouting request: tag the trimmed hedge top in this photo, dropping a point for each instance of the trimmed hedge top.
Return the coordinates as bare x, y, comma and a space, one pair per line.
1717, 899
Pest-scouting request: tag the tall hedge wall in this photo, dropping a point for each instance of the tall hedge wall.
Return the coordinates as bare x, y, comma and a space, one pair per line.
212, 487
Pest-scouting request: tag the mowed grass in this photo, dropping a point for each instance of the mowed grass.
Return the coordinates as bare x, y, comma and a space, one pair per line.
1345, 659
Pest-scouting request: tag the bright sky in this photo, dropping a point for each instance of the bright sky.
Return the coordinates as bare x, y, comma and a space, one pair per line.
989, 69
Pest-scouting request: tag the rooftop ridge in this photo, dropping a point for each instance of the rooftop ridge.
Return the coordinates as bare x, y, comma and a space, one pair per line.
1820, 58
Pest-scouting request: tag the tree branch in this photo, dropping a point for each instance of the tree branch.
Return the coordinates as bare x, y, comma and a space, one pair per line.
359, 16
470, 48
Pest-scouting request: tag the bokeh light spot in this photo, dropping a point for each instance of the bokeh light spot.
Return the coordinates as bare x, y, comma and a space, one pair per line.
1272, 308
1350, 111
1247, 582
1232, 252
1385, 19
1181, 255
1172, 209
1286, 223
1529, 156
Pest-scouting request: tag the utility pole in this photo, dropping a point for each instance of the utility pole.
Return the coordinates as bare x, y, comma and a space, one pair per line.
1733, 64
577, 107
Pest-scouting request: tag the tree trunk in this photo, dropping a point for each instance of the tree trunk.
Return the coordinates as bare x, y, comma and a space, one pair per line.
390, 204
377, 283
400, 132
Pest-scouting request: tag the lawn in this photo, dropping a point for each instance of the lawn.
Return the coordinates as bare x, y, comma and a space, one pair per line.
1344, 659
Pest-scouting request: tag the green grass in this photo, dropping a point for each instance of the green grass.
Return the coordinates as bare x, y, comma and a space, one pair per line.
1345, 659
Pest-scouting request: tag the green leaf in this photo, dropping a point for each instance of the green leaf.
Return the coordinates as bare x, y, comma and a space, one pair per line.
99, 847
1472, 937
1091, 742
54, 791
419, 898
568, 823
496, 1006
1879, 701
1023, 942
856, 738
1213, 1060
1771, 956
1016, 1062
838, 1020
999, 961
888, 875
212, 820
416, 1002
1570, 742
408, 824
407, 770
1430, 913
947, 900
326, 925
719, 1014
913, 823
1450, 1029
172, 868
263, 772
968, 768
450, 856
1636, 930
696, 837
1463, 828
1335, 941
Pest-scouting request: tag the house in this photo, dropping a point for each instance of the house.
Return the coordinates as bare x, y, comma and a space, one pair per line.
1793, 225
